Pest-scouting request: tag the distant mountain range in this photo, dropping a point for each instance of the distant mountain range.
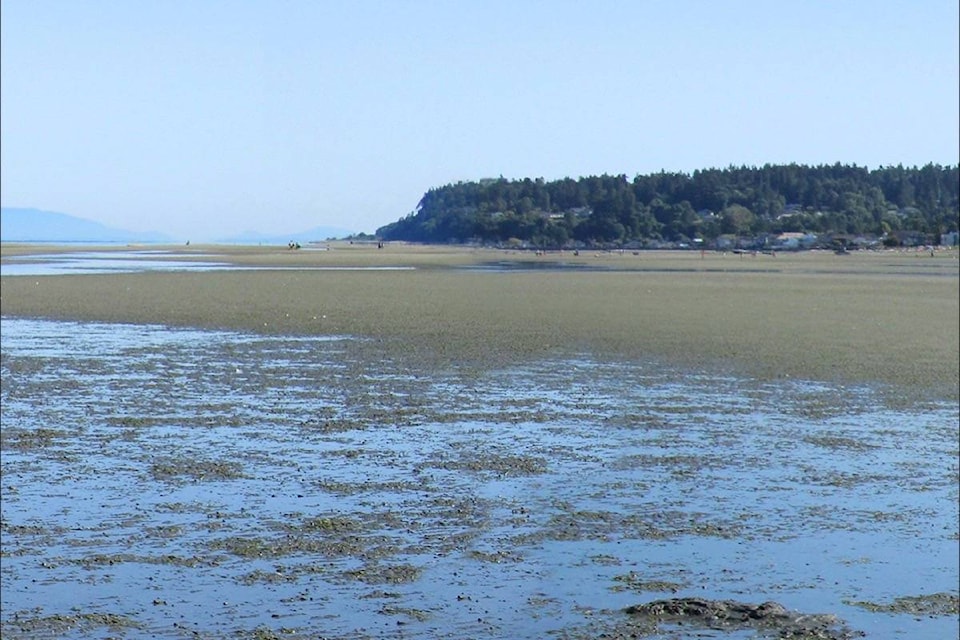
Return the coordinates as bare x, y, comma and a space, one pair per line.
34, 225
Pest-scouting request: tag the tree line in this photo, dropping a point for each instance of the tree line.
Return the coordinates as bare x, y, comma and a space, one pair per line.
679, 207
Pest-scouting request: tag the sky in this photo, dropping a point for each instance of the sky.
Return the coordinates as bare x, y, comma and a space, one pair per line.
207, 118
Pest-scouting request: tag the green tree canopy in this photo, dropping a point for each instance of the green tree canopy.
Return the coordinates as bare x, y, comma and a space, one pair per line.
605, 209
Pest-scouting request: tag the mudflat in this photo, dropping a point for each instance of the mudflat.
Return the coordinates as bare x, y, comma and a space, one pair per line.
446, 442
887, 317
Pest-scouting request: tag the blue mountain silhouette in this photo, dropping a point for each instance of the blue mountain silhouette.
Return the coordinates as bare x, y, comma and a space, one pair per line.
34, 225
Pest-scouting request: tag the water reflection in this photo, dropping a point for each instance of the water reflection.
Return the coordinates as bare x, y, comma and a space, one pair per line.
98, 262
296, 483
88, 262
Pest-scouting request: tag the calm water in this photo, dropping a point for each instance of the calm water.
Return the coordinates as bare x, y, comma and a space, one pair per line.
217, 483
135, 261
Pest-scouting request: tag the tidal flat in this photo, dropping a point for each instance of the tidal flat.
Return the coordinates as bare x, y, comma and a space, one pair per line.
447, 452
883, 317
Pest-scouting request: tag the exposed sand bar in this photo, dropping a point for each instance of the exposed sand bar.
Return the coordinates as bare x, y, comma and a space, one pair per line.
885, 317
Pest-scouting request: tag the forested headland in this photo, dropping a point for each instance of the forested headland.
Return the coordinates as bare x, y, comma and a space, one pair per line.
888, 204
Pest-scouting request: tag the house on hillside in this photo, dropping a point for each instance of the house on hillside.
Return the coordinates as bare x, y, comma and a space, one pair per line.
849, 241
910, 238
794, 240
726, 242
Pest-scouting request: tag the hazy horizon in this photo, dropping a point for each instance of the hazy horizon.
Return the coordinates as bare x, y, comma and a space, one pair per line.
209, 119
27, 224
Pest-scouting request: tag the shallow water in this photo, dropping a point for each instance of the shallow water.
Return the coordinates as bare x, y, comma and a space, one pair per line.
99, 262
174, 483
91, 262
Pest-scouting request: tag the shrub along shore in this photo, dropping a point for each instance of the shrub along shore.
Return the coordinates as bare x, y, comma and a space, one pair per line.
868, 317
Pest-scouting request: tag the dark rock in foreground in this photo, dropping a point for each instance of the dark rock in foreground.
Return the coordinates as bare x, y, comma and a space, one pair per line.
771, 617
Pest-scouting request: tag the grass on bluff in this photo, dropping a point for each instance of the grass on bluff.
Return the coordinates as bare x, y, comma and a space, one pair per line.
887, 317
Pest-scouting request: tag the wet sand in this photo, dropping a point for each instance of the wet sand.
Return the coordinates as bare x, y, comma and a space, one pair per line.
871, 317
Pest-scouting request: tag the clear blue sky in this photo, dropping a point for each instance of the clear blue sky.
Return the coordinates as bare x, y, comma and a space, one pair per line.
204, 118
